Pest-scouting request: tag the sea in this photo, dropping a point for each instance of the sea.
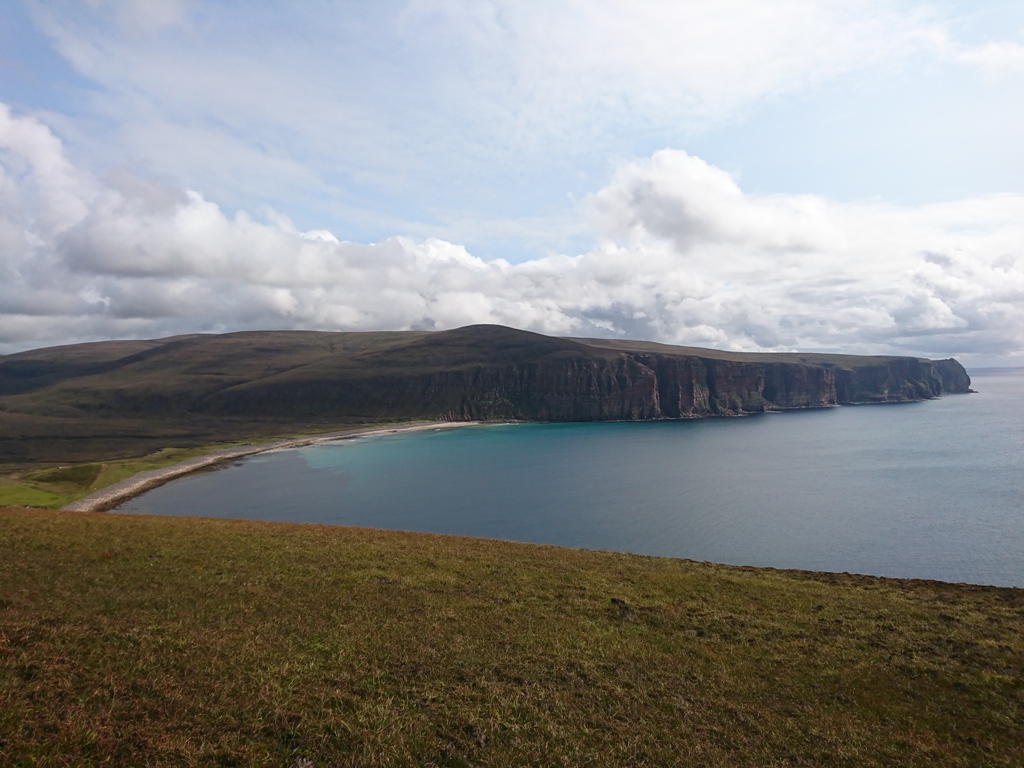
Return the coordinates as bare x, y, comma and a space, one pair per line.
928, 490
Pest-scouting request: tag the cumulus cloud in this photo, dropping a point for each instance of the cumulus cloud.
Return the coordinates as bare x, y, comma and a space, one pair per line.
682, 254
801, 271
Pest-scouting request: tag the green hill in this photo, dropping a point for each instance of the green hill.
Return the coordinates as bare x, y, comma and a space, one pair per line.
127, 398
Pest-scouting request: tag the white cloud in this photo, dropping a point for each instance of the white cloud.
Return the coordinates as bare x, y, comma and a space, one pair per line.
995, 59
697, 62
530, 73
684, 256
436, 116
144, 16
35, 162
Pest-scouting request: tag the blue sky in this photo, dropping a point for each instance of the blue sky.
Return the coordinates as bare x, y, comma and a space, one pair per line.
748, 175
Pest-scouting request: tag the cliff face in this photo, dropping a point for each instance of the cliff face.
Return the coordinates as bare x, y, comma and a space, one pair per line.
791, 385
901, 379
480, 372
121, 398
578, 386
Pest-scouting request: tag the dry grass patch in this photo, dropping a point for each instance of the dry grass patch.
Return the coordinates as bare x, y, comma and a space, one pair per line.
160, 641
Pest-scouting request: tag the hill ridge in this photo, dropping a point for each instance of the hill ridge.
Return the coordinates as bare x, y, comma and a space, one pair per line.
133, 395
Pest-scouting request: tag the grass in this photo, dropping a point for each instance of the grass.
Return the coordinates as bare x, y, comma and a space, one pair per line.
51, 487
27, 496
170, 641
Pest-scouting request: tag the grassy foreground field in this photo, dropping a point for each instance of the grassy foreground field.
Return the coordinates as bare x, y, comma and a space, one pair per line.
160, 641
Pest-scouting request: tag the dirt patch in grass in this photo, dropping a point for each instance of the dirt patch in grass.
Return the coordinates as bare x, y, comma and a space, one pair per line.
171, 641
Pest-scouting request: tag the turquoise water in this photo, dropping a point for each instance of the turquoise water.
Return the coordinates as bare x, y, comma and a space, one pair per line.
926, 490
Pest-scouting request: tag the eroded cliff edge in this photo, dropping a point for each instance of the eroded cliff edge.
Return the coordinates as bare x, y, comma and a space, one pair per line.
134, 395
488, 372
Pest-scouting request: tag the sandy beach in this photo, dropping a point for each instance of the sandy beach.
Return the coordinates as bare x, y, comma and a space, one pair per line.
109, 497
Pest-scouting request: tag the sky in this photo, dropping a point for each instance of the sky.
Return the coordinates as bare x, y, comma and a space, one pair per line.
767, 175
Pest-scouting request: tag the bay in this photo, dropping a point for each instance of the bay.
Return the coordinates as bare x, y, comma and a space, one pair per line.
916, 490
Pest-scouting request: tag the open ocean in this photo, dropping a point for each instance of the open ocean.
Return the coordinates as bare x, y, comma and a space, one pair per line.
930, 489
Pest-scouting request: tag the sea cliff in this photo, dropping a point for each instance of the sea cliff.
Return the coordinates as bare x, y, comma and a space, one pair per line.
576, 380
129, 397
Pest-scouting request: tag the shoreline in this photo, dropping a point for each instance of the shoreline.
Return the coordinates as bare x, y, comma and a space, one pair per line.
111, 496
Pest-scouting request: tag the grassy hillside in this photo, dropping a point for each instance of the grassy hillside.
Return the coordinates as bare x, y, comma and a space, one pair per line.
159, 641
127, 399
117, 399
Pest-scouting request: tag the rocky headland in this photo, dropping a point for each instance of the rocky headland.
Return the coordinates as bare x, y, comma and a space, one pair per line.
131, 396
586, 380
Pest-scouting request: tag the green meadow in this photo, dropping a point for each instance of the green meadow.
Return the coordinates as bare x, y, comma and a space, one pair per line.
52, 485
172, 641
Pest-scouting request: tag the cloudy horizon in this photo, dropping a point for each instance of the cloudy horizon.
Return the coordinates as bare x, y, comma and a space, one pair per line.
783, 176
